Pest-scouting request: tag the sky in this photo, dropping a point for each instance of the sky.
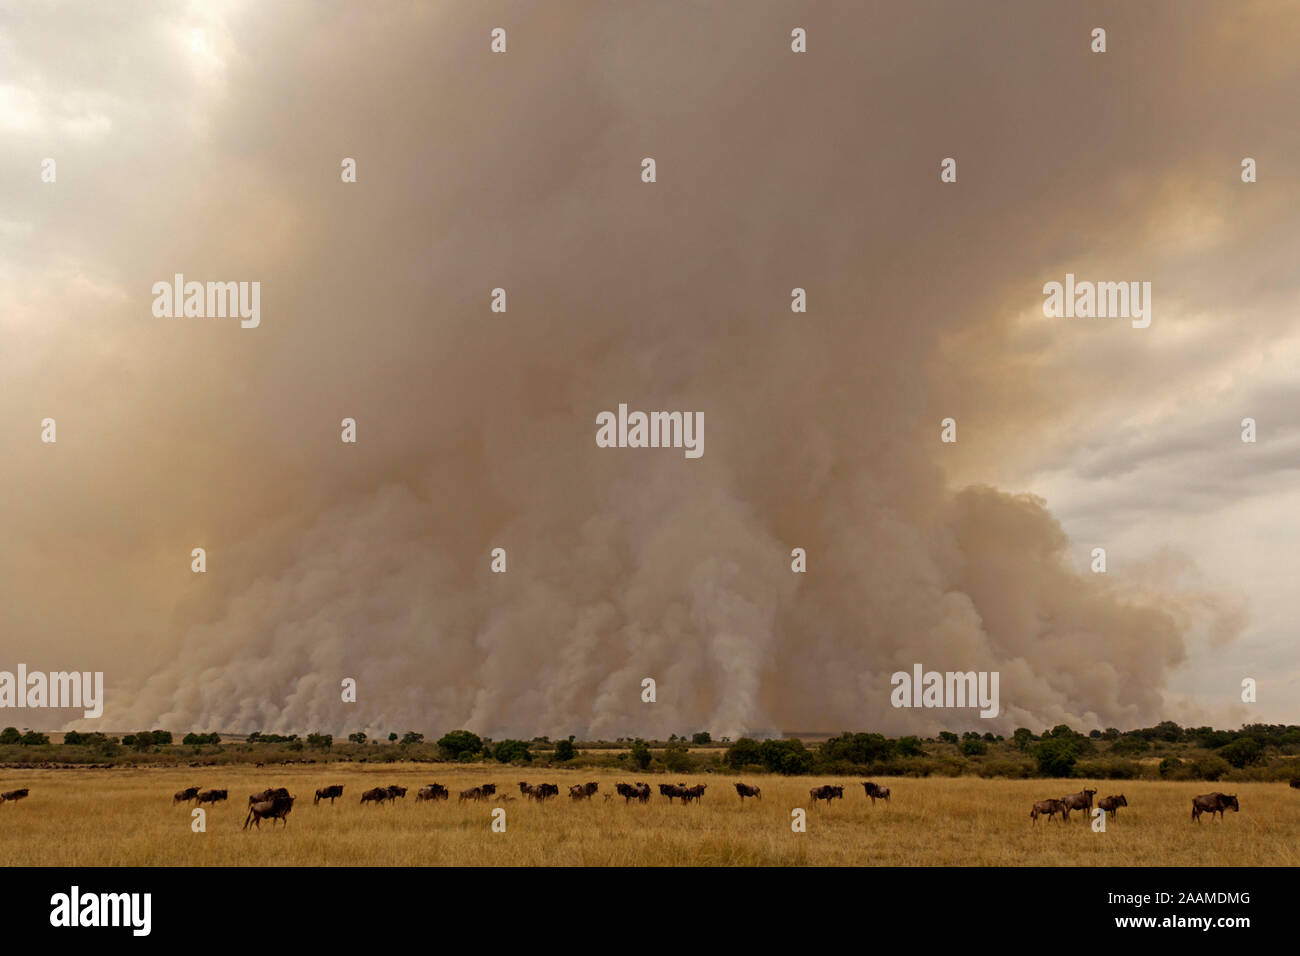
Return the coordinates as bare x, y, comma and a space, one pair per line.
207, 139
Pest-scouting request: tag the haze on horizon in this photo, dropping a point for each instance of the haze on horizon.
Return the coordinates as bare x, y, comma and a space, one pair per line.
217, 155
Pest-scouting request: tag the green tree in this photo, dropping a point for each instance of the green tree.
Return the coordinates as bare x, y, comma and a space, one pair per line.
512, 751
910, 747
564, 750
10, 735
411, 737
1056, 757
974, 747
459, 744
320, 741
357, 738
33, 739
787, 756
676, 757
701, 739
1242, 752
744, 752
1022, 738
640, 753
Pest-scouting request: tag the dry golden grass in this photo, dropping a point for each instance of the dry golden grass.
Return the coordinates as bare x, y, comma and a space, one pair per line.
126, 817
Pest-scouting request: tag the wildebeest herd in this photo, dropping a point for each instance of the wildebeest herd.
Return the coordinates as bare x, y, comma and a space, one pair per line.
276, 803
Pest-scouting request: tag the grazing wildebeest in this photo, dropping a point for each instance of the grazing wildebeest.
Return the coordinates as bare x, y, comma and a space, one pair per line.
434, 791
395, 791
277, 808
473, 793
210, 796
1112, 804
1078, 801
1214, 803
375, 795
186, 795
583, 791
13, 796
330, 793
828, 793
875, 791
1051, 808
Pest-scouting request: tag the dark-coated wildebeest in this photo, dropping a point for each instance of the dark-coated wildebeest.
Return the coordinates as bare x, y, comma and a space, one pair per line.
531, 791
828, 793
186, 795
375, 795
875, 791
1214, 803
583, 791
211, 796
693, 793
434, 791
13, 796
633, 791
395, 791
1078, 801
277, 808
267, 795
671, 790
1112, 804
1051, 808
745, 790
330, 793
473, 793
1295, 782
489, 788
547, 790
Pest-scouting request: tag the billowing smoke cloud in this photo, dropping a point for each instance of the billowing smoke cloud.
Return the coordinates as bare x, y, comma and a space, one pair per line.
476, 430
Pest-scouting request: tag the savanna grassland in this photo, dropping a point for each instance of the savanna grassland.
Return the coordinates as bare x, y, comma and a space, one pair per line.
114, 817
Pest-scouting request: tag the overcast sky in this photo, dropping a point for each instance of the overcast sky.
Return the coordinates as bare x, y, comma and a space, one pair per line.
206, 139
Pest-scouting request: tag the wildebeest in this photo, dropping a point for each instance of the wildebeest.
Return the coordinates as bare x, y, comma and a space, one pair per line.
375, 795
828, 793
1078, 801
671, 790
583, 791
630, 792
186, 795
330, 793
1214, 803
267, 795
1051, 808
395, 791
745, 790
473, 793
210, 796
1112, 804
875, 791
693, 793
434, 791
13, 796
489, 788
547, 790
1295, 782
276, 808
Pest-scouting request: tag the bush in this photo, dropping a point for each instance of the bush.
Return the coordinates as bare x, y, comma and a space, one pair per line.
1212, 767
457, 744
640, 753
564, 750
1056, 757
512, 751
974, 747
1241, 752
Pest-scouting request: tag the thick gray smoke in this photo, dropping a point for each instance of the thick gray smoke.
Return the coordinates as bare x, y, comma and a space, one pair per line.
476, 429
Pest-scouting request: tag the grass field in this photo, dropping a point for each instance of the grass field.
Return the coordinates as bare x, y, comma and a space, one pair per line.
126, 817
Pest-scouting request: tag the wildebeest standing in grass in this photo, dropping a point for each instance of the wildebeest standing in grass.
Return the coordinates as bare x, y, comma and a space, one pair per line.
434, 791
13, 796
1295, 782
211, 796
375, 795
1051, 808
1078, 801
671, 790
330, 793
395, 791
1214, 803
583, 791
473, 793
745, 790
1112, 804
693, 793
875, 791
186, 795
276, 808
547, 790
267, 795
828, 793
